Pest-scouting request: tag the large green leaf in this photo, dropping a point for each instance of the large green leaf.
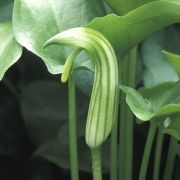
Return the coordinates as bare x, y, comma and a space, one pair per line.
115, 5
11, 127
84, 80
124, 6
124, 32
34, 22
56, 150
157, 69
10, 50
172, 126
58, 153
44, 108
174, 59
6, 8
162, 100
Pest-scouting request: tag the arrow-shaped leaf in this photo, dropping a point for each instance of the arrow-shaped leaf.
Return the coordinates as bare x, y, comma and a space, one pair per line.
10, 50
34, 22
124, 32
124, 6
172, 126
162, 100
174, 59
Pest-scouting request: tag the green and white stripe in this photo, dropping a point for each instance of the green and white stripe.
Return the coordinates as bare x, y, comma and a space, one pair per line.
104, 98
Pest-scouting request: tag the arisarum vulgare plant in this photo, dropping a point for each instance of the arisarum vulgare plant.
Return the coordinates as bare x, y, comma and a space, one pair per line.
104, 99
29, 24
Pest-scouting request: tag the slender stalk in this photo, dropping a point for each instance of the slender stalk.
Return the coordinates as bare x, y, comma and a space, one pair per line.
104, 98
123, 125
122, 139
113, 155
96, 163
157, 161
147, 151
130, 120
72, 129
114, 147
170, 159
126, 119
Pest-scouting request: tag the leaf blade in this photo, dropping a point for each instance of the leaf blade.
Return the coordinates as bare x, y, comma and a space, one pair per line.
34, 22
124, 32
10, 50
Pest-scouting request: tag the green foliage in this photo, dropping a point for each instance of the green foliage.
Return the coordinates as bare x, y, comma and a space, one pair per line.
46, 121
11, 127
124, 6
172, 126
53, 17
6, 8
10, 50
45, 109
162, 100
114, 4
45, 114
38, 116
57, 152
124, 32
174, 59
157, 68
159, 103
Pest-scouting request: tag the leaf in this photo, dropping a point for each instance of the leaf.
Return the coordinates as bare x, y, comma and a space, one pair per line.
162, 100
157, 95
84, 74
115, 5
157, 68
172, 126
11, 127
124, 32
10, 50
44, 109
139, 105
63, 134
58, 153
6, 8
124, 6
174, 59
84, 80
34, 22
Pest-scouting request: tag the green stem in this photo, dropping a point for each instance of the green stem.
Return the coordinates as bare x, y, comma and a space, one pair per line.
170, 159
72, 129
96, 163
114, 149
130, 120
122, 137
157, 161
126, 119
147, 151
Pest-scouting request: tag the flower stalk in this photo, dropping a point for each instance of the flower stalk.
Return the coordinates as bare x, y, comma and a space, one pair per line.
104, 98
